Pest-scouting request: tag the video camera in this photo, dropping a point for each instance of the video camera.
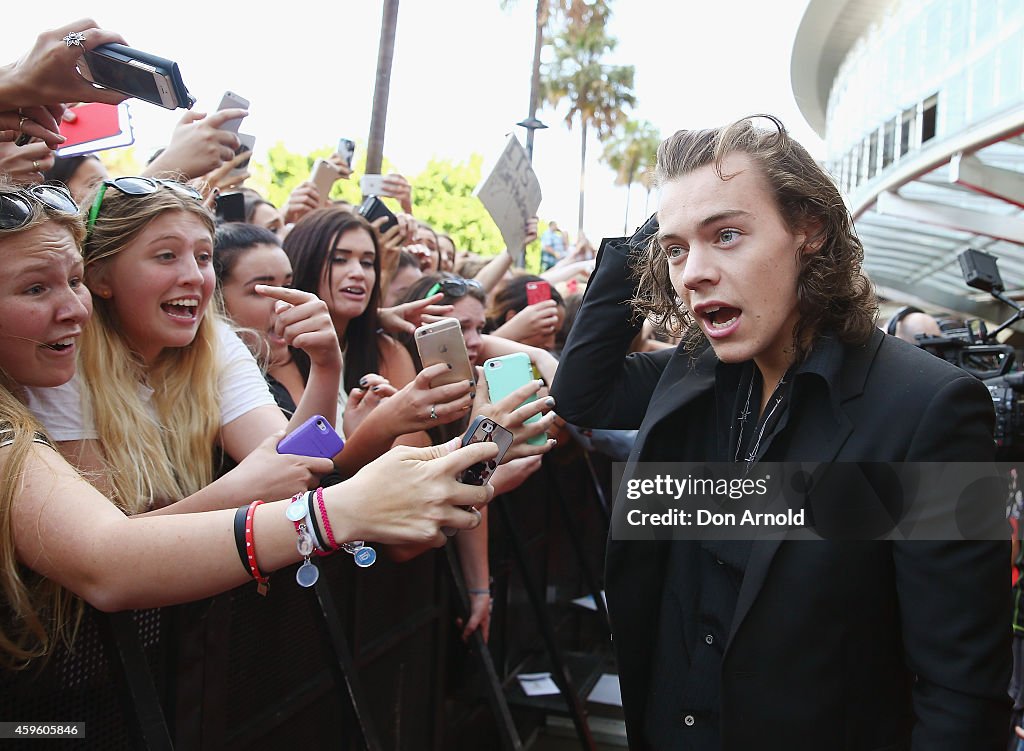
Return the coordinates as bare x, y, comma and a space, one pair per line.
977, 351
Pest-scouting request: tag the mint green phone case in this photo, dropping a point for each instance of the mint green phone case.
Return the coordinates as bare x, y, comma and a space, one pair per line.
507, 373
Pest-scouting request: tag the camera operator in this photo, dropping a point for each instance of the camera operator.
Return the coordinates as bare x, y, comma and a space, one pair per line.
909, 323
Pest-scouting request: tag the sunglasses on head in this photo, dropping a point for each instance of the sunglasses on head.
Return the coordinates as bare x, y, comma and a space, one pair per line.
455, 287
136, 186
16, 207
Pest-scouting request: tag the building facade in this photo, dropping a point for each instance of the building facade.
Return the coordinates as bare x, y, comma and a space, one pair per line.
921, 106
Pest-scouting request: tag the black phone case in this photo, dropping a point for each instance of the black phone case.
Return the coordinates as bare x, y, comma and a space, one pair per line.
374, 208
168, 67
481, 472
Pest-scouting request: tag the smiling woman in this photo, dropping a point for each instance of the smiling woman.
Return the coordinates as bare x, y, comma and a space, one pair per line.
59, 537
42, 263
164, 381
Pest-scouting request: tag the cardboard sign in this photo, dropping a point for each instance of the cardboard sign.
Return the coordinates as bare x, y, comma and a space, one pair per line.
511, 194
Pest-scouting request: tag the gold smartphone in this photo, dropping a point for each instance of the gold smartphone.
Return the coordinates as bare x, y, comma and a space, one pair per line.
442, 341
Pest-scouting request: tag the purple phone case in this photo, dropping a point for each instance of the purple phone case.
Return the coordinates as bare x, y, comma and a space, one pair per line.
315, 437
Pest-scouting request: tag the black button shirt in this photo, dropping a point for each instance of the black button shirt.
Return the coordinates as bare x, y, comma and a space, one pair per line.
703, 578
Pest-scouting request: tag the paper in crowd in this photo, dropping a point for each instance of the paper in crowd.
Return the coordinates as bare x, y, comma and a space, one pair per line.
606, 690
587, 601
537, 684
511, 194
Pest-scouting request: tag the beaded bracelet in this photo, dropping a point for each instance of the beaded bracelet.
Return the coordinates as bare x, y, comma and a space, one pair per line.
311, 523
262, 582
362, 554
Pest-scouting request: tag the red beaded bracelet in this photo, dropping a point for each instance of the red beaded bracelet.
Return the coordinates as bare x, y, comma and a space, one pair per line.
262, 582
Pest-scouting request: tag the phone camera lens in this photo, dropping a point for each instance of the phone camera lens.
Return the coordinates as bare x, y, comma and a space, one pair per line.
488, 428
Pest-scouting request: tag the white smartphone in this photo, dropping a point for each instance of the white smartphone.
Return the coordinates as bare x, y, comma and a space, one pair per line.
231, 100
373, 185
246, 143
324, 176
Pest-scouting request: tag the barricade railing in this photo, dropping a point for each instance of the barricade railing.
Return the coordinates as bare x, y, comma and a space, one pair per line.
370, 659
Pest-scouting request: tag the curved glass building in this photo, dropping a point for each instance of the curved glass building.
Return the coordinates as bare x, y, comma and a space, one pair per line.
921, 106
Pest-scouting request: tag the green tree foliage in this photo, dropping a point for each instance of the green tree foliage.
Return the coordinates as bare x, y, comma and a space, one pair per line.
442, 194
632, 151
443, 198
597, 93
284, 170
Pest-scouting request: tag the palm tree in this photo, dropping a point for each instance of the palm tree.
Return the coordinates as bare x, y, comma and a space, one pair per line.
646, 178
574, 11
596, 92
632, 151
382, 87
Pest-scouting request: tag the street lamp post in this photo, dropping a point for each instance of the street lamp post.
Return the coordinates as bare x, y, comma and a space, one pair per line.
531, 124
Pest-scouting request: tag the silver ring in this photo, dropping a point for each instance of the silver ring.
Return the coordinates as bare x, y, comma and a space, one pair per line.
75, 39
476, 512
35, 165
433, 412
21, 123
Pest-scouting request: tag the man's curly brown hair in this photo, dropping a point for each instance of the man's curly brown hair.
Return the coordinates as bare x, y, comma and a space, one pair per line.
833, 294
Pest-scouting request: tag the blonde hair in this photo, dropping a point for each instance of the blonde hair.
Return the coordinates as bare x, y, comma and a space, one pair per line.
36, 611
150, 462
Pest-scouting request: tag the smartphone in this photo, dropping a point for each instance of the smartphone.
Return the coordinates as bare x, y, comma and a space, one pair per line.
231, 100
97, 127
481, 430
230, 207
136, 73
374, 208
245, 143
347, 150
537, 292
441, 341
314, 437
373, 185
507, 373
324, 176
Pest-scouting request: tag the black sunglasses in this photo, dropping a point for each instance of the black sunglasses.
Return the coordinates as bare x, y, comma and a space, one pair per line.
136, 186
454, 287
16, 207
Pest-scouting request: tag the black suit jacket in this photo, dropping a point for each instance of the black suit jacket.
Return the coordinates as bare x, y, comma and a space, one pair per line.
834, 645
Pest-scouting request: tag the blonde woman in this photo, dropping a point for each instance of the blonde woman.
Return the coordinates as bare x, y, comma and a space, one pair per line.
163, 381
60, 537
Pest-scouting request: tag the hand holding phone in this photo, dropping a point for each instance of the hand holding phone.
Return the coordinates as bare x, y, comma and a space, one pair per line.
442, 341
231, 100
537, 292
373, 185
506, 374
315, 437
136, 73
324, 176
373, 208
481, 430
246, 143
346, 150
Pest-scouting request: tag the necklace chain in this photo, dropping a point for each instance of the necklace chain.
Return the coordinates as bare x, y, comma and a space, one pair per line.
764, 423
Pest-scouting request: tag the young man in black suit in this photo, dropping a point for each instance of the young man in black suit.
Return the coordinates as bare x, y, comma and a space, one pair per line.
795, 645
